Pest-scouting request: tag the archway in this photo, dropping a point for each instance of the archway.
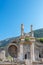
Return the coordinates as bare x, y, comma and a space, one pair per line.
12, 49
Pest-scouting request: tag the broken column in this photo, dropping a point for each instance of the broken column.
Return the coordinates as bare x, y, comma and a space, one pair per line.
22, 29
31, 30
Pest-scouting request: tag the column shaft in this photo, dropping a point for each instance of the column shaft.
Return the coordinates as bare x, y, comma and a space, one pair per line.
32, 52
21, 52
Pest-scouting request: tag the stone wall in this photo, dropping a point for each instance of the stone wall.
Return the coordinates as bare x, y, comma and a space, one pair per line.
26, 50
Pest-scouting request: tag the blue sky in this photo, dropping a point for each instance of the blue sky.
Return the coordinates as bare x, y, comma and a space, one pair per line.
15, 12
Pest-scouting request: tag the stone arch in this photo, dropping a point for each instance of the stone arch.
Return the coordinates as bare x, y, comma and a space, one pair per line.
12, 50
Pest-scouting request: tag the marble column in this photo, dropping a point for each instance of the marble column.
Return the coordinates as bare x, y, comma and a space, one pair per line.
32, 32
32, 52
21, 52
22, 29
